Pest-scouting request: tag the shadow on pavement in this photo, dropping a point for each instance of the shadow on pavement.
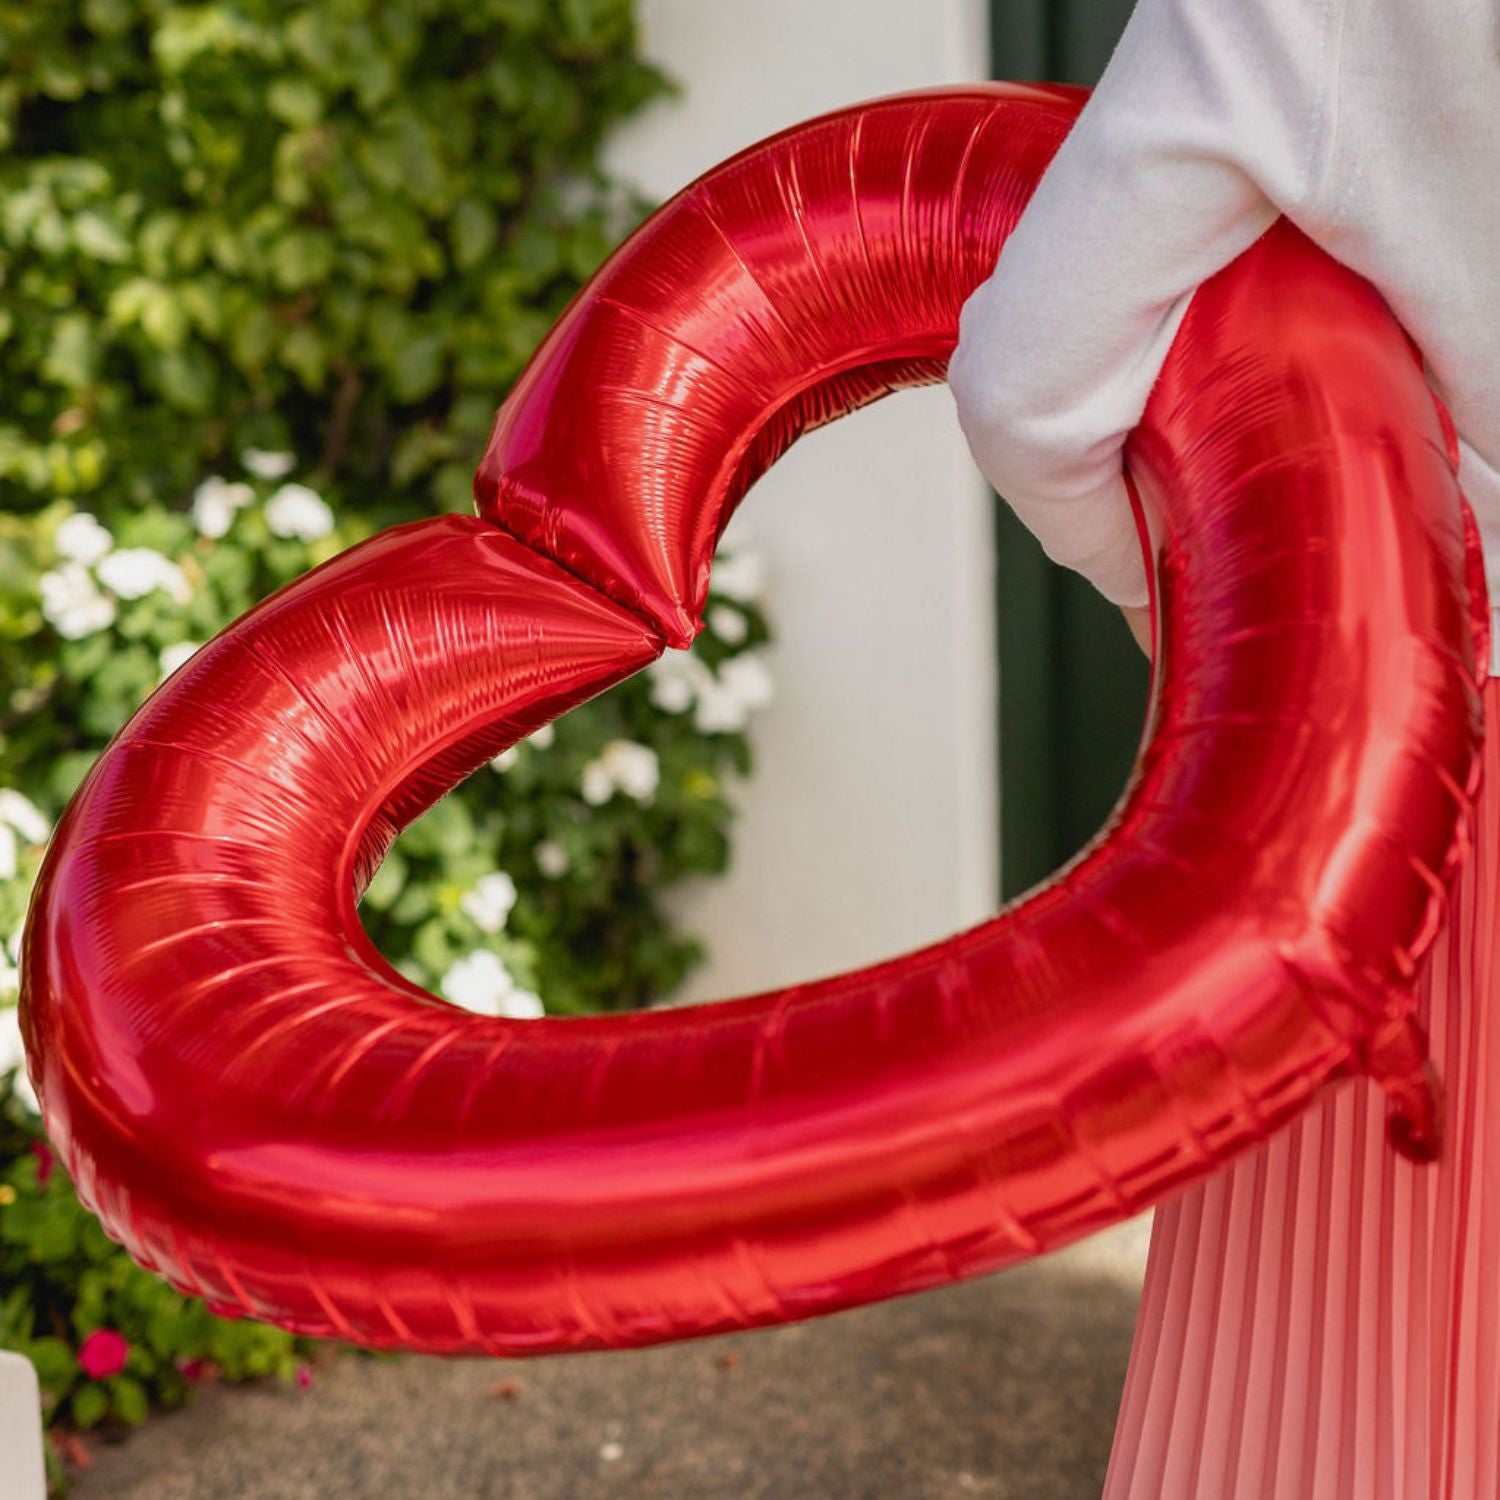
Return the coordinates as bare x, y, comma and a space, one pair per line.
1003, 1388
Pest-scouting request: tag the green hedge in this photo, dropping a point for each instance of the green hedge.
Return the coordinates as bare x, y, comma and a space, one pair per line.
337, 228
267, 270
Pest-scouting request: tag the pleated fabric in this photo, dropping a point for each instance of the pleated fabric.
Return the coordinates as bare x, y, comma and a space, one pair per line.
1321, 1320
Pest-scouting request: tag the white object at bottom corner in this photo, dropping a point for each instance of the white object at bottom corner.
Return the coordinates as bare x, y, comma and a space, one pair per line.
23, 1475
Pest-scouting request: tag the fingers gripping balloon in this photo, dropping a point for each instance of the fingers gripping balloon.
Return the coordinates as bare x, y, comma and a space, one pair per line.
258, 1106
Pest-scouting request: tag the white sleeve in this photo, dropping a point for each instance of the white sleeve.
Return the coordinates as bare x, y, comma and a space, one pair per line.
1212, 116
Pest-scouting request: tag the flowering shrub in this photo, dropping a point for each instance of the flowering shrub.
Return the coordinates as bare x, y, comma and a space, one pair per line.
268, 265
106, 1337
537, 878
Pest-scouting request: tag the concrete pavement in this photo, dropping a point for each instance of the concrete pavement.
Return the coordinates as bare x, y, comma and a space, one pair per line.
1004, 1388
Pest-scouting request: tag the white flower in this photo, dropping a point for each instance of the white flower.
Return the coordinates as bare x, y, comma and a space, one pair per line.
13, 1055
635, 768
296, 511
266, 465
743, 685
480, 982
597, 786
624, 766
728, 624
677, 678
720, 713
10, 852
506, 758
178, 655
551, 859
489, 902
522, 1005
748, 679
215, 502
82, 539
23, 815
134, 572
72, 603
740, 576
13, 942
542, 738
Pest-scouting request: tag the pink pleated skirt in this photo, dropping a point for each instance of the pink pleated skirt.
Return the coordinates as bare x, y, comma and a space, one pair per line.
1321, 1320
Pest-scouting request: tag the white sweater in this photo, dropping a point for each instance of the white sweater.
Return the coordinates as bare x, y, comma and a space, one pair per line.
1373, 124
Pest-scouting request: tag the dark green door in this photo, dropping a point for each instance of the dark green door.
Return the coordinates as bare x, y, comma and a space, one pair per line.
1055, 41
1072, 682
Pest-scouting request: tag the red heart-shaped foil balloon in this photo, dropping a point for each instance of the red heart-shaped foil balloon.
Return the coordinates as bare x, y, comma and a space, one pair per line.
259, 1107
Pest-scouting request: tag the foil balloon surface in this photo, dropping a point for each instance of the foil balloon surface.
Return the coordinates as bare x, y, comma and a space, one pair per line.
259, 1107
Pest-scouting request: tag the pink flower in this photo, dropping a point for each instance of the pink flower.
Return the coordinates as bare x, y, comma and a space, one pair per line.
45, 1161
304, 1377
103, 1353
191, 1370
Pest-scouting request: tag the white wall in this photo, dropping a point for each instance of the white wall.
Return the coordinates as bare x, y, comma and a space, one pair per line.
870, 825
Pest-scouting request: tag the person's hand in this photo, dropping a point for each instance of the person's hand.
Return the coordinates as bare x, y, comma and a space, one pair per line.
1139, 621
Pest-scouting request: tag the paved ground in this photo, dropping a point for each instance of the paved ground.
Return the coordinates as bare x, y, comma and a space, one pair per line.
1005, 1388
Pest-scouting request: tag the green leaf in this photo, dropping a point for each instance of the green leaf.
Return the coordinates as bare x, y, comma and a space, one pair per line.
108, 17
417, 366
203, 306
400, 155
475, 231
454, 489
295, 101
432, 948
252, 333
55, 1364
128, 1398
313, 36
300, 258
164, 1329
90, 1402
188, 33
417, 451
445, 828
416, 902
386, 886
303, 352
593, 24
153, 306
96, 236
187, 378
72, 355
48, 1237
66, 772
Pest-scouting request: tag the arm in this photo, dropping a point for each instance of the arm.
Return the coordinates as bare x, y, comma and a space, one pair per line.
1212, 116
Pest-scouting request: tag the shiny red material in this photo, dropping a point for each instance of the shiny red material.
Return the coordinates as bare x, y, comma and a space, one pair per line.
258, 1106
